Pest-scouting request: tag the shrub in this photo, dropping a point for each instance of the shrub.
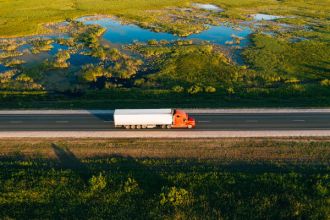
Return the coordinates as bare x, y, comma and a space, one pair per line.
14, 62
131, 185
292, 80
230, 90
195, 89
91, 73
210, 89
61, 59
139, 82
178, 89
152, 42
98, 183
175, 196
325, 82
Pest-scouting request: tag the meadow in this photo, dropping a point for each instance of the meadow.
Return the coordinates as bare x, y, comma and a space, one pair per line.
229, 178
285, 62
19, 18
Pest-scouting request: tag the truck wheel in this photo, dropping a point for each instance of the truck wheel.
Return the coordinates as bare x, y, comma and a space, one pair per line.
189, 126
127, 126
169, 126
163, 126
132, 126
138, 126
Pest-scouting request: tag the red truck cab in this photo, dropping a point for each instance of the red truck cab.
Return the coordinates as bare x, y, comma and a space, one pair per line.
182, 120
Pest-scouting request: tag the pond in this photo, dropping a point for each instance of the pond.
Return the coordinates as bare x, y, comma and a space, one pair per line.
209, 7
29, 58
80, 59
3, 68
118, 33
265, 17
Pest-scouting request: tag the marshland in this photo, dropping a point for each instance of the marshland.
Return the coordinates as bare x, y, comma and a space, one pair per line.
205, 54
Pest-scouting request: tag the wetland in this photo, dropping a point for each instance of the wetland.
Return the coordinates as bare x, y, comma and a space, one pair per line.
195, 52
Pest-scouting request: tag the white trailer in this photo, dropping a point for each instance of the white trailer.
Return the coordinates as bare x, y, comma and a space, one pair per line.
143, 118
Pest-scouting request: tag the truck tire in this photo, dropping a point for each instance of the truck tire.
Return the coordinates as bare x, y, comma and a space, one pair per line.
132, 126
163, 126
138, 127
127, 126
168, 126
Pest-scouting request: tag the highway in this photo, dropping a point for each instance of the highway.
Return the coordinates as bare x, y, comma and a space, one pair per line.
291, 121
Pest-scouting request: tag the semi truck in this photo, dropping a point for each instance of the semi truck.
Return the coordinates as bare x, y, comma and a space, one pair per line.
152, 118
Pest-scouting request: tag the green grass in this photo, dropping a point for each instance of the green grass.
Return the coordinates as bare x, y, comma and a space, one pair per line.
304, 61
75, 98
165, 178
20, 17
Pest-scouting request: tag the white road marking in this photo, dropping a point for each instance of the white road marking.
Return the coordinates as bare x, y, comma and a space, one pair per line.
61, 121
298, 120
15, 122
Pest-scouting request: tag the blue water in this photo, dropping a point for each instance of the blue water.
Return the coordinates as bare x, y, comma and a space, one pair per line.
118, 33
265, 17
209, 7
57, 47
79, 60
3, 68
24, 47
221, 34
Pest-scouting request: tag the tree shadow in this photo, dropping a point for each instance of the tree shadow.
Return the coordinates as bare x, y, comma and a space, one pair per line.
148, 177
68, 160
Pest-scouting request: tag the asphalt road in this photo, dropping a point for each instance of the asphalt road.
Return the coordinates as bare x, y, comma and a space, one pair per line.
205, 122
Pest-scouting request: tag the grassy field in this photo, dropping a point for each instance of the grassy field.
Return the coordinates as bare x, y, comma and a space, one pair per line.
25, 17
229, 178
137, 98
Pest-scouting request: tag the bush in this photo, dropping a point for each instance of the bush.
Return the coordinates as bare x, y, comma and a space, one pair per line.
91, 73
152, 42
195, 89
210, 89
61, 59
139, 82
325, 82
131, 185
98, 183
230, 91
174, 196
178, 89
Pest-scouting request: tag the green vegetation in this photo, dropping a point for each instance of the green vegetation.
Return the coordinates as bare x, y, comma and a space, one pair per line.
20, 18
286, 64
162, 178
61, 59
13, 62
191, 64
22, 83
40, 45
282, 61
